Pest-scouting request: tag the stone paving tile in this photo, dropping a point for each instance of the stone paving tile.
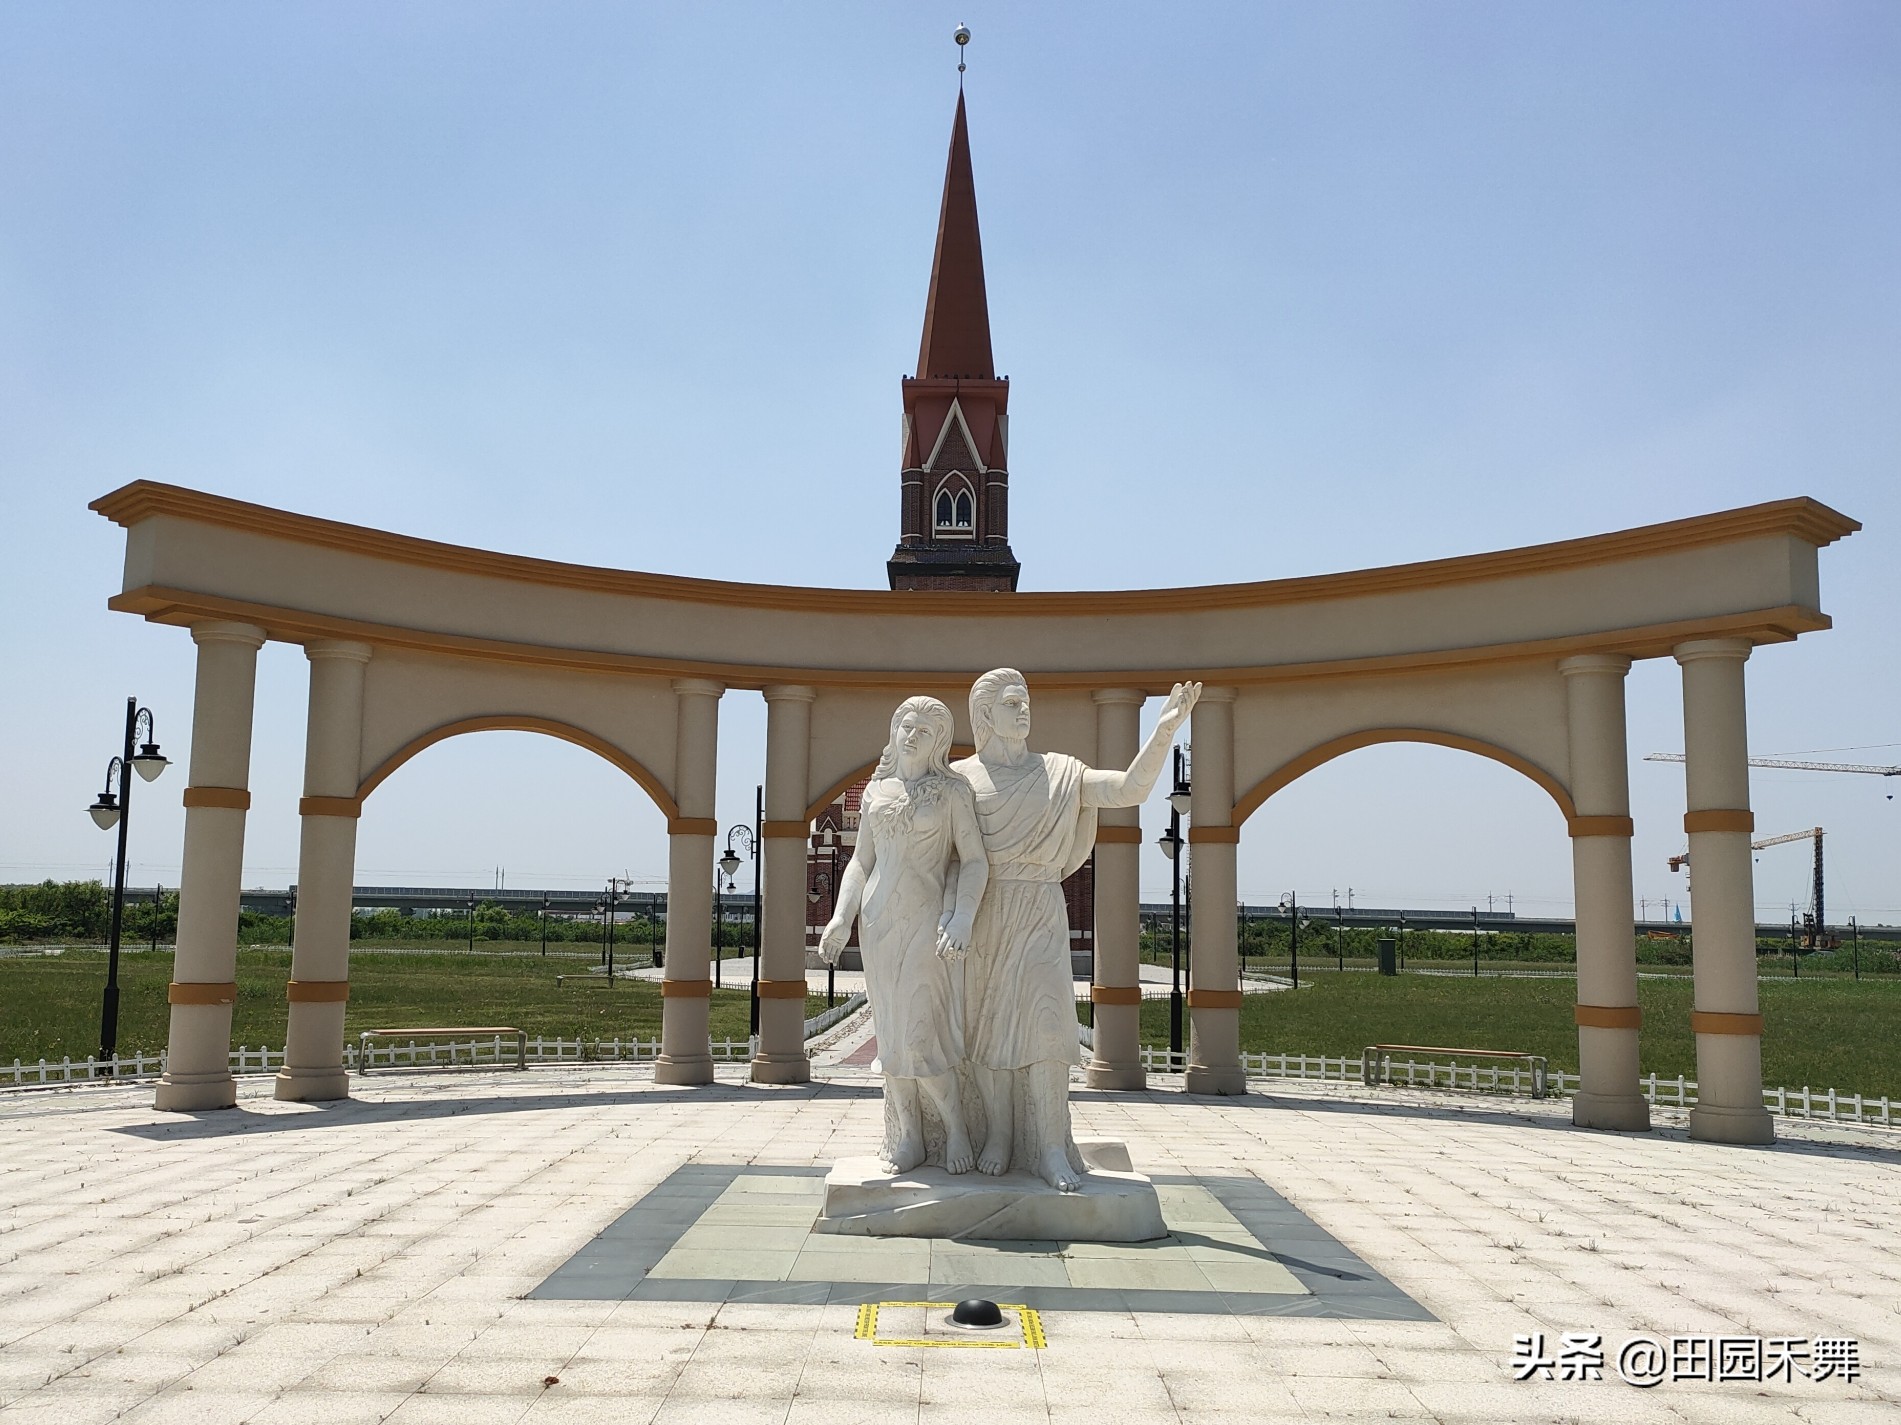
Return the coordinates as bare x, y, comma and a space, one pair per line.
220, 1252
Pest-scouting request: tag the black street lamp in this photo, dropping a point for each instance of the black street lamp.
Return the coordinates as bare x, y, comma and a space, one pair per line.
114, 809
1475, 942
821, 884
729, 863
617, 887
1179, 802
544, 927
471, 922
1291, 904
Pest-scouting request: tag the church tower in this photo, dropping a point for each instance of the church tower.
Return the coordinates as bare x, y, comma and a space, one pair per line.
954, 522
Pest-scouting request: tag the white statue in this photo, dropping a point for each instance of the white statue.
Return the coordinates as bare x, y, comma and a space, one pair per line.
1037, 815
914, 883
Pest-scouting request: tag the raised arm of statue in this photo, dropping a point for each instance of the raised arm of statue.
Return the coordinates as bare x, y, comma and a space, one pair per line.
1102, 788
851, 893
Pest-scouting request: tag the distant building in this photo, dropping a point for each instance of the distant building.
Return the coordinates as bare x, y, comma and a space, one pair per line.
954, 496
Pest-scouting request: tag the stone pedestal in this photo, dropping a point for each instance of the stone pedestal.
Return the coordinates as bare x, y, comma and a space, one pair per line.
1116, 1204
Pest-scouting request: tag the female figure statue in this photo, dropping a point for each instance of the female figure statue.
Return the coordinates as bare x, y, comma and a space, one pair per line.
914, 883
1037, 814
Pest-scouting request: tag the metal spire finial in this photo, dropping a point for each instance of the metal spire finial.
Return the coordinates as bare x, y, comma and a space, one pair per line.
962, 36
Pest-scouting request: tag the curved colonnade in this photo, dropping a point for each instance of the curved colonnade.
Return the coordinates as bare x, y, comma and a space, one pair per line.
1520, 656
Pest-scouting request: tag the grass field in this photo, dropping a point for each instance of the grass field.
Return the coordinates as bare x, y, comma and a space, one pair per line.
1825, 1033
49, 1005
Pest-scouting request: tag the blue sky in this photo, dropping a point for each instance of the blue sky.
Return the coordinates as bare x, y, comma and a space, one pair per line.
1296, 287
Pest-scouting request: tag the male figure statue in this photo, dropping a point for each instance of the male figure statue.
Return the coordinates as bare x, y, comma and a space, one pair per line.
1037, 815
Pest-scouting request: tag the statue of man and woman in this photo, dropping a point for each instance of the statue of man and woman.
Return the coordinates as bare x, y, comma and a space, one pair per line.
956, 883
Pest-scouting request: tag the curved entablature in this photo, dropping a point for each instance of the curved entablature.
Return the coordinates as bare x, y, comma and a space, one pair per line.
1294, 769
513, 722
1748, 573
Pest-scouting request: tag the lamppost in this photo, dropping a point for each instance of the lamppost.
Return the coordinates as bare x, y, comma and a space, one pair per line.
617, 886
729, 863
471, 922
1339, 928
1291, 904
544, 927
1179, 801
114, 808
821, 883
1475, 942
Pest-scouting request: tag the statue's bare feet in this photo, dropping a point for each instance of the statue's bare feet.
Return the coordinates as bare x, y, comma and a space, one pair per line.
959, 1156
1055, 1170
906, 1156
995, 1160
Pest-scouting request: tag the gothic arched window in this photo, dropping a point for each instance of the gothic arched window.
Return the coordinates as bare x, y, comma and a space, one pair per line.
954, 510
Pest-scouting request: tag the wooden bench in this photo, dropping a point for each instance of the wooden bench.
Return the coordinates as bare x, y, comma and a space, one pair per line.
1378, 1058
494, 1032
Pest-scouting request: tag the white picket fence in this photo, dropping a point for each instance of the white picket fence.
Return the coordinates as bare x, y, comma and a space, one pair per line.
1679, 1092
1826, 1105
474, 1053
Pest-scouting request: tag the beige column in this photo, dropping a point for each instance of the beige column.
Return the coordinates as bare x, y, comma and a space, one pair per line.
1116, 1060
205, 967
326, 874
685, 1049
1607, 1016
1214, 999
1726, 1021
781, 1055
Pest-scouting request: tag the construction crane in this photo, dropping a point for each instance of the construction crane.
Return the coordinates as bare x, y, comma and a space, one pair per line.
1798, 766
1816, 917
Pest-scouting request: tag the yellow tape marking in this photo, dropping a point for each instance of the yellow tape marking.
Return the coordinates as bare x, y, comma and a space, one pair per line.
1027, 1318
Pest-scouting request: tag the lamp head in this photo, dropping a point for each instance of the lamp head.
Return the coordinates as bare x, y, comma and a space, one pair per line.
105, 811
729, 863
149, 762
1180, 800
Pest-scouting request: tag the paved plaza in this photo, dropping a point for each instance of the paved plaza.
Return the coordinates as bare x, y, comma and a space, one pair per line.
579, 1244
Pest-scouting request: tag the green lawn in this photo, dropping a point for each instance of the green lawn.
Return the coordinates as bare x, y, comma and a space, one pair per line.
49, 1005
1825, 1033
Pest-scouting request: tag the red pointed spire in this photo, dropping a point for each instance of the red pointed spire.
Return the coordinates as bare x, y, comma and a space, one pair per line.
956, 315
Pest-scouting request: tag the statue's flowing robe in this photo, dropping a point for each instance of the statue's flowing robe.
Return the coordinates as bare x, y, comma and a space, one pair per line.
916, 996
1020, 1004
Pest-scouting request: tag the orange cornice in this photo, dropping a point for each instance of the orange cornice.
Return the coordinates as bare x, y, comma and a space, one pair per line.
523, 722
1313, 757
184, 607
1801, 518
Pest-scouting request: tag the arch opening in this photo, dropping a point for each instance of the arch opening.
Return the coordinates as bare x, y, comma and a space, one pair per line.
523, 722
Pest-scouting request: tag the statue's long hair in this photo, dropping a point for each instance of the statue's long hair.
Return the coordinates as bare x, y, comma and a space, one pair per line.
938, 718
984, 694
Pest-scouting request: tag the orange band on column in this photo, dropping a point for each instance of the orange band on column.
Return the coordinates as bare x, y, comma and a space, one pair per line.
224, 798
1214, 999
782, 989
1719, 820
1118, 836
330, 806
1707, 1021
692, 826
1608, 1016
190, 992
1115, 994
317, 991
1217, 834
1602, 826
791, 830
686, 989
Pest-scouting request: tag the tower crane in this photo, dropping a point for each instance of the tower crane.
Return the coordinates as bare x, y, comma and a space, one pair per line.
1817, 923
1873, 771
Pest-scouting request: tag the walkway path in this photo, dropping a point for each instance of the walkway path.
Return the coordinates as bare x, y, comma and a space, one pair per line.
369, 1260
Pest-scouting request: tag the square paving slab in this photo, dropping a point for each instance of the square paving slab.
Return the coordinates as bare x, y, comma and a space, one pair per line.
755, 1233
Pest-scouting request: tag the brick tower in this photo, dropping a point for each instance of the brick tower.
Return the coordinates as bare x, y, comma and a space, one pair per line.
954, 522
